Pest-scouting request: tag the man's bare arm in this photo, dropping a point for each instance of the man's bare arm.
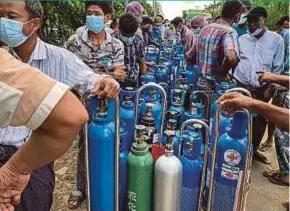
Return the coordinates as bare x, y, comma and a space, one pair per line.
277, 115
54, 137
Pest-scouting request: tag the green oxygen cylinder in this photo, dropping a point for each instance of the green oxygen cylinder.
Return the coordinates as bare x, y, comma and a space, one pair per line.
140, 173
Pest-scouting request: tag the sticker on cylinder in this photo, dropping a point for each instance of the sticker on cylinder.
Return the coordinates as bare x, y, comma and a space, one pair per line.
232, 157
230, 172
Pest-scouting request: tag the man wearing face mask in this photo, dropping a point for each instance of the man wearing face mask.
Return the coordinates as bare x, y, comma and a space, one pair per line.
145, 27
96, 47
134, 50
260, 50
241, 27
155, 35
103, 53
18, 29
217, 48
188, 37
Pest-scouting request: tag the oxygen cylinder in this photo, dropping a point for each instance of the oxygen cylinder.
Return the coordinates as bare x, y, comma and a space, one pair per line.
172, 126
140, 172
156, 108
198, 107
151, 53
102, 153
192, 74
123, 175
127, 114
144, 79
192, 165
230, 164
194, 172
177, 101
167, 179
161, 74
149, 122
183, 85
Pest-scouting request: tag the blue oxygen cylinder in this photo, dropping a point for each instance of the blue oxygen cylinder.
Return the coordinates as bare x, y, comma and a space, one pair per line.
230, 164
123, 167
151, 53
172, 126
177, 101
161, 74
100, 152
127, 114
156, 108
196, 111
192, 165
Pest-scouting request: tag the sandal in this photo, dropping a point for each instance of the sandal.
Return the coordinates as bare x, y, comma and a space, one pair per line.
286, 205
270, 171
278, 180
75, 199
260, 157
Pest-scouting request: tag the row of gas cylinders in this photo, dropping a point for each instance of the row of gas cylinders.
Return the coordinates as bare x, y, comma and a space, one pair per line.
144, 155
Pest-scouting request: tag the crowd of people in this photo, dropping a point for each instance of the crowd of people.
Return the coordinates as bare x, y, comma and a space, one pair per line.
40, 115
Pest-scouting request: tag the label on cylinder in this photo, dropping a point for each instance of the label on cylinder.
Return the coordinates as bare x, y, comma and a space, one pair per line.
230, 172
232, 157
132, 198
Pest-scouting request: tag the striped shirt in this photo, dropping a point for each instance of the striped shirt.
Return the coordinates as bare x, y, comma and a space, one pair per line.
61, 65
213, 42
101, 58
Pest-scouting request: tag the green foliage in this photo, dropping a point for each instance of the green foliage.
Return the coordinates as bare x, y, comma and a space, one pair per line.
61, 19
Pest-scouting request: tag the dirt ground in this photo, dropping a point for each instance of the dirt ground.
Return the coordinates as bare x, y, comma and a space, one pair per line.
65, 169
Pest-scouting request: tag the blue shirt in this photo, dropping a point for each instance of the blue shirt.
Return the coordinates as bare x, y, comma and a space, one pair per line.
240, 30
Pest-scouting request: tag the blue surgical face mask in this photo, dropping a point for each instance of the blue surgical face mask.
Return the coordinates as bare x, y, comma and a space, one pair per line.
95, 23
127, 40
11, 32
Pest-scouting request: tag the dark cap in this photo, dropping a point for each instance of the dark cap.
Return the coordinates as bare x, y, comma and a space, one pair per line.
258, 12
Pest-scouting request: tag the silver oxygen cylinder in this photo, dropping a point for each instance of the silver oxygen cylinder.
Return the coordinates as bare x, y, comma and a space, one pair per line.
167, 179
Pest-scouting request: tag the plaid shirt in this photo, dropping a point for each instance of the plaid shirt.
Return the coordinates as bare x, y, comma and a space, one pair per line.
213, 42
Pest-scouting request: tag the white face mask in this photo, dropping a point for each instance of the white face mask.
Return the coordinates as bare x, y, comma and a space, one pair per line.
258, 30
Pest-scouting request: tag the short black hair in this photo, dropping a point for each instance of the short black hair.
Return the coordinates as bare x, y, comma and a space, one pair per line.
34, 7
231, 9
176, 21
147, 20
166, 20
105, 6
128, 23
282, 20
